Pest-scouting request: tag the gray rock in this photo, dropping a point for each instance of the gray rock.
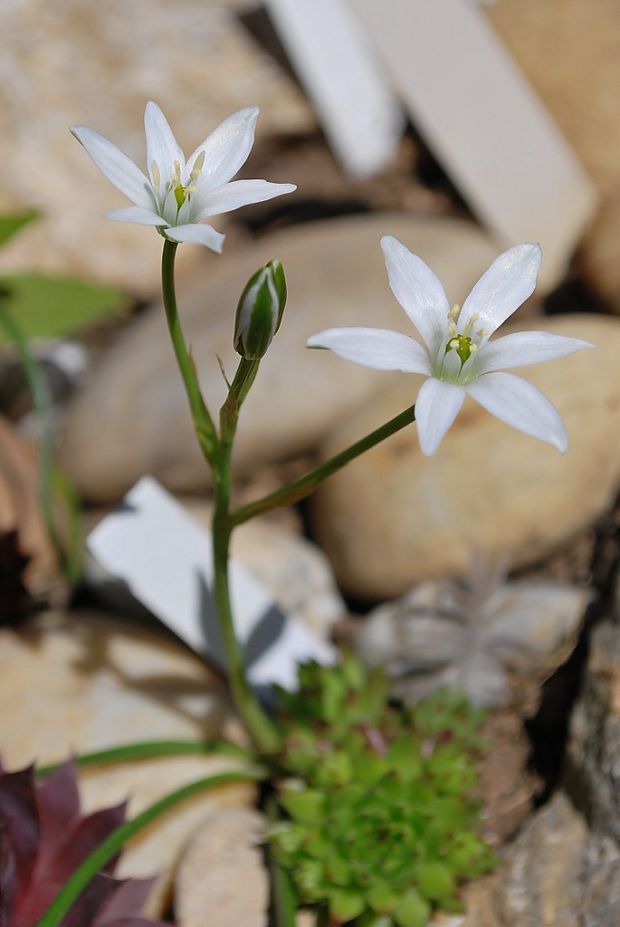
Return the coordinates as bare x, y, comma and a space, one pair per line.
601, 882
132, 417
484, 636
393, 517
542, 881
594, 748
559, 874
564, 868
555, 874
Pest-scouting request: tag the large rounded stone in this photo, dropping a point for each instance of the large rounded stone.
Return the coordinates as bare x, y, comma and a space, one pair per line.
600, 251
569, 51
132, 417
394, 517
97, 64
222, 878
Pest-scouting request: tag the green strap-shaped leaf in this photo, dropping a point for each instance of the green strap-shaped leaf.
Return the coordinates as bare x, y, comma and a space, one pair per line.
49, 306
12, 223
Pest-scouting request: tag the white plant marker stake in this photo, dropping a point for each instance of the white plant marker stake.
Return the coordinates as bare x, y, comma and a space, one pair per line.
333, 60
164, 556
484, 122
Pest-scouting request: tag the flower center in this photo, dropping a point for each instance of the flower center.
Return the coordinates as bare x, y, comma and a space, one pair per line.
463, 343
181, 191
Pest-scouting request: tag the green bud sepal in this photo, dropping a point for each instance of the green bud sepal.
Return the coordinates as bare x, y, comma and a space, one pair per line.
260, 311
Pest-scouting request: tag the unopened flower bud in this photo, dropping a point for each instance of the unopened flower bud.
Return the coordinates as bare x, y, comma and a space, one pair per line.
260, 310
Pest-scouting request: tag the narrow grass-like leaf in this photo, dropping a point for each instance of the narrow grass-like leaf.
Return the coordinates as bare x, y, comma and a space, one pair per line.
148, 749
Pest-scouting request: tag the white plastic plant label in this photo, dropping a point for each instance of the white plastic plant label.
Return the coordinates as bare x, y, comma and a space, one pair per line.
484, 123
163, 555
334, 61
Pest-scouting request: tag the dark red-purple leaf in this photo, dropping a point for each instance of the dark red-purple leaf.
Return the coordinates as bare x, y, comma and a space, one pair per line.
56, 862
84, 836
135, 922
85, 910
58, 803
19, 821
43, 839
128, 897
7, 880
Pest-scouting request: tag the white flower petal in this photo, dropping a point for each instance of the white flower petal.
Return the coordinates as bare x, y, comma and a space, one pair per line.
507, 283
161, 146
522, 348
418, 290
374, 347
169, 209
518, 403
184, 214
198, 235
436, 407
226, 149
233, 195
136, 214
116, 166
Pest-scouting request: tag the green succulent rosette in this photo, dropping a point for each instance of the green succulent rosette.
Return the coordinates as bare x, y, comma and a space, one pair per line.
381, 820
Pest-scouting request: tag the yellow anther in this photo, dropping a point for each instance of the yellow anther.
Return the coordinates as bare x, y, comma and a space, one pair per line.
454, 312
180, 192
473, 348
198, 166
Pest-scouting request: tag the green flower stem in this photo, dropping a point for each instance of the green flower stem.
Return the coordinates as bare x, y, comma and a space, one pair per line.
203, 423
283, 896
108, 848
284, 899
304, 485
217, 452
148, 749
260, 727
41, 402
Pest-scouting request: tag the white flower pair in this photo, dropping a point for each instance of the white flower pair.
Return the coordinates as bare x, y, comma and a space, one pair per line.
455, 354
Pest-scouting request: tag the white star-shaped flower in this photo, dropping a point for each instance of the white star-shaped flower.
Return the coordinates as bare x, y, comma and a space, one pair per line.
456, 353
179, 194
